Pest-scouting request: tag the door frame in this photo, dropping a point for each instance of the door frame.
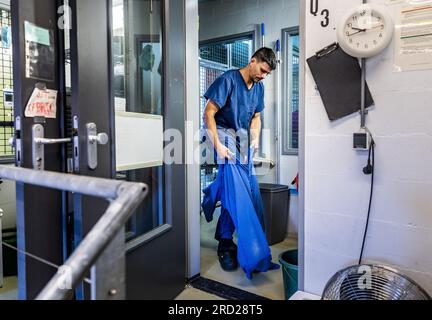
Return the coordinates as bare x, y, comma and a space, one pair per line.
302, 148
192, 112
193, 205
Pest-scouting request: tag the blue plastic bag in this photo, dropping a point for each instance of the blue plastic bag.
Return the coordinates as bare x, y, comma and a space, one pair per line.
237, 188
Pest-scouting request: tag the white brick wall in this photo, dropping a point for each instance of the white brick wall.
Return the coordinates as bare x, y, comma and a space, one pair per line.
336, 191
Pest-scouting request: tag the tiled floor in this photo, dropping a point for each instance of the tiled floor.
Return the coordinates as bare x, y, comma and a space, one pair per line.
269, 284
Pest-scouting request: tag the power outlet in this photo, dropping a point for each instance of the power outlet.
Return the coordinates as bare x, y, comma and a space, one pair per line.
361, 141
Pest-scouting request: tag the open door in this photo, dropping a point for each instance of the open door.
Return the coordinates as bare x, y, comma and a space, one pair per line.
125, 62
128, 82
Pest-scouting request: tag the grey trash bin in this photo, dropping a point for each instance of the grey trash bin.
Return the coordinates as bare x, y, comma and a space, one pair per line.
276, 210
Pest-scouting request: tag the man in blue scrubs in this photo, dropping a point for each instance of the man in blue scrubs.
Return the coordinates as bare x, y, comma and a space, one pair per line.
233, 122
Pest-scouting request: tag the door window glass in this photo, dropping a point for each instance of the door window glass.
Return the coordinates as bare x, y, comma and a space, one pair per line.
137, 47
137, 53
149, 214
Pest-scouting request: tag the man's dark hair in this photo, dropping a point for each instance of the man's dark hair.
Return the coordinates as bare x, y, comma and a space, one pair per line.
266, 55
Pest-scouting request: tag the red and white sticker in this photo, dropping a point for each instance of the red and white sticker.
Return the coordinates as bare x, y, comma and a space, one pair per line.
42, 103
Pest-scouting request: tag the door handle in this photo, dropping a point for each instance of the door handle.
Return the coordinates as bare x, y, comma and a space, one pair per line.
45, 141
101, 138
93, 140
38, 149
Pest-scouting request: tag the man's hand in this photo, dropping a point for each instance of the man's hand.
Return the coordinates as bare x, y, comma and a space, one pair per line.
223, 152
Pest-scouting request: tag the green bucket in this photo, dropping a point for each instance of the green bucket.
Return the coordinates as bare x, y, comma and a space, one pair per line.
289, 262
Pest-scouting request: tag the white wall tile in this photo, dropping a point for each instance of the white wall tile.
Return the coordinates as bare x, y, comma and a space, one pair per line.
341, 234
321, 266
404, 203
403, 246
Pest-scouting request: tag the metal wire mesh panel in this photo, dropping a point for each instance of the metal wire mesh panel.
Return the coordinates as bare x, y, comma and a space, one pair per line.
207, 76
6, 83
215, 52
241, 52
208, 175
372, 282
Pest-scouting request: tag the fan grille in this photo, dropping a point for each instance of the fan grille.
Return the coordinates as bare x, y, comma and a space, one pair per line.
372, 282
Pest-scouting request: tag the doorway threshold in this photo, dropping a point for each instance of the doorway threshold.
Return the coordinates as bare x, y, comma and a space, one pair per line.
222, 290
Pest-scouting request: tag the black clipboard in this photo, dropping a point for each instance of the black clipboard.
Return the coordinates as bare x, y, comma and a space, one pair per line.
338, 78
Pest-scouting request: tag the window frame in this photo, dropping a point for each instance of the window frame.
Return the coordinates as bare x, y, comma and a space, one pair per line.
286, 94
237, 36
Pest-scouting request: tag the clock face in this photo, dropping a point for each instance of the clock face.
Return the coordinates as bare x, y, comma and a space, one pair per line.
365, 31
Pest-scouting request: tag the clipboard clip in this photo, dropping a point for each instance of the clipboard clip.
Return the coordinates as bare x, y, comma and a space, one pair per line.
327, 50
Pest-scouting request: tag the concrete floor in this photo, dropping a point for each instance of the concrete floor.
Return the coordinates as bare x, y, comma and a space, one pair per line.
269, 284
10, 289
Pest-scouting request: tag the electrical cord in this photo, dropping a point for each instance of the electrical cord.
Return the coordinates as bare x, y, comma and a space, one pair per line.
369, 169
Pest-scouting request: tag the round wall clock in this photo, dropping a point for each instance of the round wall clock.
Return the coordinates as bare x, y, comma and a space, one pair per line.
365, 31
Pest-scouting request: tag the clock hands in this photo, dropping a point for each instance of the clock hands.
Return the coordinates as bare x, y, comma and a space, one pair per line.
360, 30
363, 30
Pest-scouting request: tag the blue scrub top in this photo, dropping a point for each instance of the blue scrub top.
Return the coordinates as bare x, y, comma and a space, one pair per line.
237, 104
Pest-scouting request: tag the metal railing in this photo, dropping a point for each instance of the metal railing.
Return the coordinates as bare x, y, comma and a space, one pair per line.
124, 198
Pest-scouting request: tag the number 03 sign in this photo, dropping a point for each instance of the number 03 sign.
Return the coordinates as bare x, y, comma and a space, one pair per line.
316, 11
